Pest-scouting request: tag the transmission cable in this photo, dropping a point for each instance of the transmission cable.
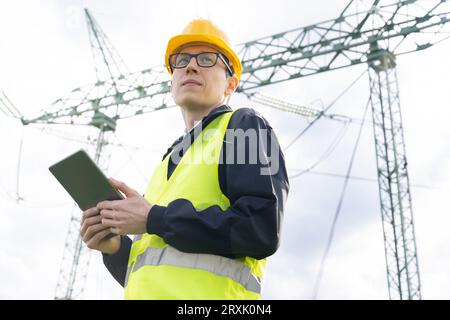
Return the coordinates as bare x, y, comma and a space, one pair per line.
338, 210
130, 157
322, 113
327, 153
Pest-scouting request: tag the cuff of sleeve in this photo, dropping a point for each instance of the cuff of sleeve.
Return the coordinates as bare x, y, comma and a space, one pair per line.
155, 222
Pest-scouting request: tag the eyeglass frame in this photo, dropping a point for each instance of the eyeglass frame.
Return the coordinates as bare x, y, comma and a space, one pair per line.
195, 55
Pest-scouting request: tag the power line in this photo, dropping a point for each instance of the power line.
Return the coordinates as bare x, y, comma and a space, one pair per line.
322, 113
130, 157
340, 175
19, 162
6, 193
327, 153
338, 210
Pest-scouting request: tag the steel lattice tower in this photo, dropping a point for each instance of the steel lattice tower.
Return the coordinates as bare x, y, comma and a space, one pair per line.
76, 257
402, 264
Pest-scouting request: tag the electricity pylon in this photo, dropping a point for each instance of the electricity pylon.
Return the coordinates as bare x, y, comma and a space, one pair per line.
108, 67
374, 36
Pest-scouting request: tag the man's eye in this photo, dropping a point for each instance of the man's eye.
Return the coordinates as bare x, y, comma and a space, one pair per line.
181, 60
206, 59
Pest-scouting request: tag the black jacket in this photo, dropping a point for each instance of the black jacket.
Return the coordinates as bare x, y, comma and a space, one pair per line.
249, 227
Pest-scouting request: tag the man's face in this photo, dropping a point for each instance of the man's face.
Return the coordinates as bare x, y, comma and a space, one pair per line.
195, 86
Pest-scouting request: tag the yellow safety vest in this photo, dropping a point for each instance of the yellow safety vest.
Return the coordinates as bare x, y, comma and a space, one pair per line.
157, 270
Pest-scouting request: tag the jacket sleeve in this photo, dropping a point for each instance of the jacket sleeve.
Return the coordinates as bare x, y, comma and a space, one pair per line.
117, 263
251, 225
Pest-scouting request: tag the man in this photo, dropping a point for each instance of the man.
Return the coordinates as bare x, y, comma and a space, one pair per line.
211, 213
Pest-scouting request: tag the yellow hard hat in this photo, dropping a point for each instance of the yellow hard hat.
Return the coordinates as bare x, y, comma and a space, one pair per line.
204, 31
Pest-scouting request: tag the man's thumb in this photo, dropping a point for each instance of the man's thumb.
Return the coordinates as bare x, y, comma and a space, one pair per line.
121, 186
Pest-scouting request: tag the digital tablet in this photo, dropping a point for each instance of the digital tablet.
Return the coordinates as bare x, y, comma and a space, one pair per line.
83, 180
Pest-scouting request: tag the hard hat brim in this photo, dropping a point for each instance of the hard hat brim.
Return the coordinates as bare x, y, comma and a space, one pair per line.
183, 39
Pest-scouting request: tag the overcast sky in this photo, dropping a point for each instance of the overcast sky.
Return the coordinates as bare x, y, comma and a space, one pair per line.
45, 53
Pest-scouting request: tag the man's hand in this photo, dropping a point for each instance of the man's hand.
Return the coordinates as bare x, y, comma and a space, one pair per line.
128, 216
97, 236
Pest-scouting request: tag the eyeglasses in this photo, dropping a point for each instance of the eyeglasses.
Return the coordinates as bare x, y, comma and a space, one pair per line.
204, 60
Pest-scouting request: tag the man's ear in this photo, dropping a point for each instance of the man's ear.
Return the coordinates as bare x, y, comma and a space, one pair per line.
232, 84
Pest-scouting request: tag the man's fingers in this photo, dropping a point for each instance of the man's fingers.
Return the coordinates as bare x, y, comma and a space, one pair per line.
111, 205
92, 243
108, 214
92, 231
90, 222
89, 213
115, 183
122, 186
110, 223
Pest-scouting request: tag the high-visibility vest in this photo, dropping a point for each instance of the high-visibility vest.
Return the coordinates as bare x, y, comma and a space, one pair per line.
157, 270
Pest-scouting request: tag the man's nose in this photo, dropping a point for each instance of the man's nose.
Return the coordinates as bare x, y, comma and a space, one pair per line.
192, 66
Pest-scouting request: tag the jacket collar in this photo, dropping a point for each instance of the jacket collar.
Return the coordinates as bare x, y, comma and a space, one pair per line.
210, 116
205, 121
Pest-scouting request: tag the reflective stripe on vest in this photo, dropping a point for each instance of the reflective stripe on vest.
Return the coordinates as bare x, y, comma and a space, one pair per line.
218, 265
